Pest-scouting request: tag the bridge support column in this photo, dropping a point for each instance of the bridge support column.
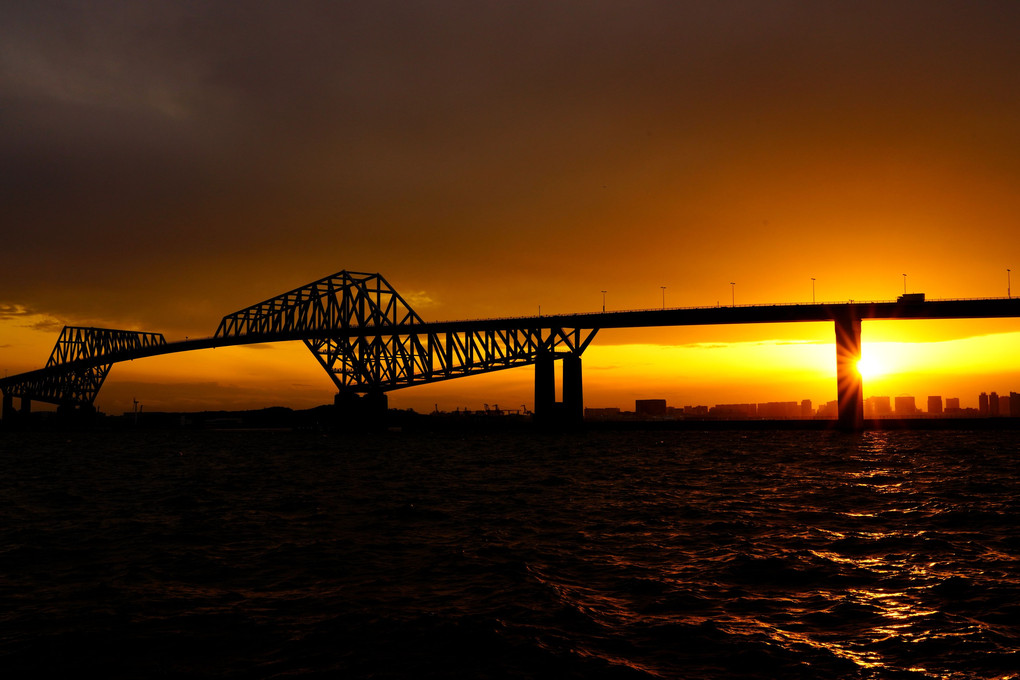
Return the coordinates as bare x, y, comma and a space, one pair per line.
26, 406
849, 386
8, 413
359, 413
573, 397
545, 386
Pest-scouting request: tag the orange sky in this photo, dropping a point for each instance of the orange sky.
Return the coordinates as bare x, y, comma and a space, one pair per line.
165, 164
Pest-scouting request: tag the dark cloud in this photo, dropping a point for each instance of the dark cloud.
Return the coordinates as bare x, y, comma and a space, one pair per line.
163, 163
18, 315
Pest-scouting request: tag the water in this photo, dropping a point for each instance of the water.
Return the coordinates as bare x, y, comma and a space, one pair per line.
511, 555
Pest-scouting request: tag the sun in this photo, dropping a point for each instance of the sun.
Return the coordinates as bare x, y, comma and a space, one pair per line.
870, 367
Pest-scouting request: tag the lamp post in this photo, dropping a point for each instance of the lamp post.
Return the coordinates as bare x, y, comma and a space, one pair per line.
663, 297
733, 293
1008, 295
904, 284
603, 302
812, 290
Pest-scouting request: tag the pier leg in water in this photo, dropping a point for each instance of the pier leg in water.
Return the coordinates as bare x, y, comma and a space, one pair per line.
573, 394
356, 412
849, 386
545, 386
8, 416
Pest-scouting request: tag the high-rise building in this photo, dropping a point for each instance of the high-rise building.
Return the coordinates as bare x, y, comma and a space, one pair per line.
905, 406
650, 408
877, 407
1014, 405
993, 404
952, 405
829, 409
734, 411
805, 409
983, 404
935, 406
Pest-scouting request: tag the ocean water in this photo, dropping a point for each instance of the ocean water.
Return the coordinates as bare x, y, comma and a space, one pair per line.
241, 554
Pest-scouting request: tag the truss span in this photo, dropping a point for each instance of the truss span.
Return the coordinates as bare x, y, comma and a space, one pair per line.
79, 364
368, 338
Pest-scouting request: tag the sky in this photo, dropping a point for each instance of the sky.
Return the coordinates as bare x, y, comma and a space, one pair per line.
163, 164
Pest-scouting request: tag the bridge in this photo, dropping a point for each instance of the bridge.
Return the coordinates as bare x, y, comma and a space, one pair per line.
370, 341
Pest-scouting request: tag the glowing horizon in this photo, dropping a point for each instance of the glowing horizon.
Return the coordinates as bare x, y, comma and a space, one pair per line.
687, 371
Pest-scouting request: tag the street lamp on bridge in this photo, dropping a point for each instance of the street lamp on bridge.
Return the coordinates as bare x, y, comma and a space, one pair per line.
733, 293
603, 302
1008, 295
904, 284
812, 290
663, 297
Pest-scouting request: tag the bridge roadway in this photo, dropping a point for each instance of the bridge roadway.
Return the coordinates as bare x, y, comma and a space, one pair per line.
846, 316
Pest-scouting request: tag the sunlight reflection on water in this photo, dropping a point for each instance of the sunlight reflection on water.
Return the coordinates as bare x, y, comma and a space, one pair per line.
704, 555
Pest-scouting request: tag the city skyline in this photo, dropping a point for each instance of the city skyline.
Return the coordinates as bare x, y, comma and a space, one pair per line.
879, 406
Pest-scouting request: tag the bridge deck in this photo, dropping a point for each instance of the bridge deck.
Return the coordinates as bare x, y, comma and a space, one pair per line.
690, 316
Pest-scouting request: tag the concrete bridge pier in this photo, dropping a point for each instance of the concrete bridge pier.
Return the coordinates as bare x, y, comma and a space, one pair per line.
361, 412
849, 386
14, 417
76, 415
573, 394
547, 410
545, 386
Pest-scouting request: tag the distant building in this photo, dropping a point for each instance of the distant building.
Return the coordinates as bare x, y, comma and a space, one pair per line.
877, 407
650, 408
805, 409
952, 405
1014, 405
779, 410
611, 413
993, 404
829, 409
935, 406
734, 411
695, 411
983, 404
905, 406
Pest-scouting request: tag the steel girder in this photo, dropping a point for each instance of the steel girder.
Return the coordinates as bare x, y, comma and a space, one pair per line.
390, 361
76, 349
372, 340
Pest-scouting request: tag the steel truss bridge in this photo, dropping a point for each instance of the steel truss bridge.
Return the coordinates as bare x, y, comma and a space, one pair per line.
370, 341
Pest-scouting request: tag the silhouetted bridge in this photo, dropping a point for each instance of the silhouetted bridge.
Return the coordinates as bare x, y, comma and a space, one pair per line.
370, 341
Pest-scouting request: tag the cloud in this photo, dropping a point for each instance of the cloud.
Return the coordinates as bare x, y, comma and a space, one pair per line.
27, 318
419, 299
261, 346
11, 311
